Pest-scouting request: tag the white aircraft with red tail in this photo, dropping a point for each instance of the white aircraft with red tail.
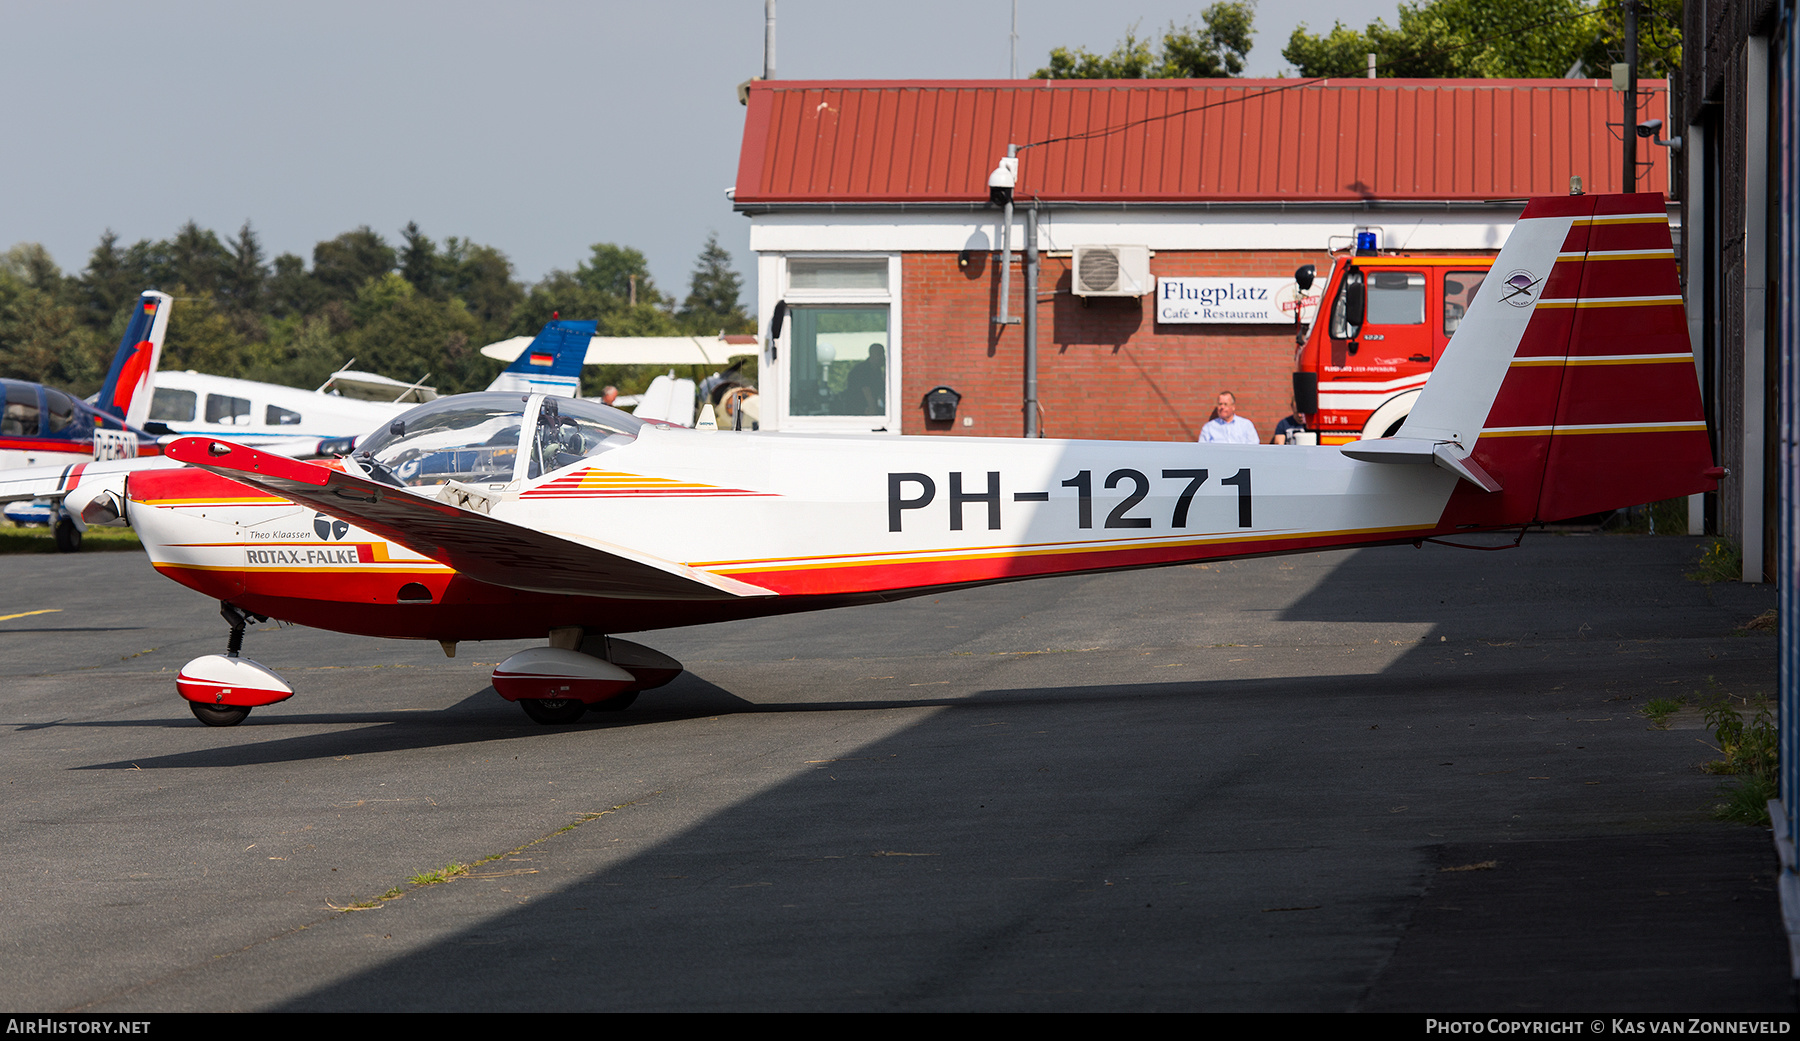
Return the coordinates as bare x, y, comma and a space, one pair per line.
1568, 389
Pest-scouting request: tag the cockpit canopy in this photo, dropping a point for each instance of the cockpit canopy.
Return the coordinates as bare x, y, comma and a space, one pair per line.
480, 439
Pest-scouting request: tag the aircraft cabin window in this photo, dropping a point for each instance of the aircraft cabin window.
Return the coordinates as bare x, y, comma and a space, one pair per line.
173, 406
230, 411
475, 438
60, 408
21, 417
276, 416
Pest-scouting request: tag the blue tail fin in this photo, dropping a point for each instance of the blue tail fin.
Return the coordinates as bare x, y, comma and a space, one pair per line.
132, 379
552, 364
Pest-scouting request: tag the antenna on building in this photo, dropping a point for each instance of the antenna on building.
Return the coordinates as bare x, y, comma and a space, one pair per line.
768, 39
1015, 40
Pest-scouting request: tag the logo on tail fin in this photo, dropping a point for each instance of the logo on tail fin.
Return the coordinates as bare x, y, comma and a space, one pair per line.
1523, 286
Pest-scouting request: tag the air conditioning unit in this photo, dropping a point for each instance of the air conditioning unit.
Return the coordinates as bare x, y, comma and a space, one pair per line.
1112, 270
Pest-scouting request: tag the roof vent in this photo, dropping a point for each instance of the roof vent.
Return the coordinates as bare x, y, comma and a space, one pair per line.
1112, 270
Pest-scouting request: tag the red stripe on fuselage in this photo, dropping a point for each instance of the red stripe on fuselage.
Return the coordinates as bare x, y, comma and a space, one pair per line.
364, 601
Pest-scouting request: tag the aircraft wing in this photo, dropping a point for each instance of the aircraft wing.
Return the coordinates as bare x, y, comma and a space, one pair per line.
484, 548
55, 481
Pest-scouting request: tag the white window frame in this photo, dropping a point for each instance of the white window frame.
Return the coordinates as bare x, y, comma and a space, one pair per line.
890, 296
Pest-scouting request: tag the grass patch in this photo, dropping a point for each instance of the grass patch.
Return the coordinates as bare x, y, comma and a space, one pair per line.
443, 874
37, 538
1767, 622
1746, 801
454, 870
1658, 711
1721, 561
1749, 752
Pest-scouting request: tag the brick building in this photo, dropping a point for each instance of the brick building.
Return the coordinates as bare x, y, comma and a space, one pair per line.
876, 239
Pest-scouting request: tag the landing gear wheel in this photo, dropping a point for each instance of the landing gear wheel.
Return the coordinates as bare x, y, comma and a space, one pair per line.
615, 704
68, 536
219, 715
552, 712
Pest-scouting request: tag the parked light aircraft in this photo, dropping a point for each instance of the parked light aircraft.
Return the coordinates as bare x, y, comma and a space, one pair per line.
1568, 389
323, 428
254, 413
260, 413
41, 426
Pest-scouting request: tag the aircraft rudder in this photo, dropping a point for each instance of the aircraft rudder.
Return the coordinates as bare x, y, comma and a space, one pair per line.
1629, 426
131, 379
552, 363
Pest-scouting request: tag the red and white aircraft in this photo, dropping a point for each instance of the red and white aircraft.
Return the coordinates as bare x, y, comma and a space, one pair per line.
1569, 389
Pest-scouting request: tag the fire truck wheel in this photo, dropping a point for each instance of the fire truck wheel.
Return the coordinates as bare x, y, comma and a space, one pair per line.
552, 712
219, 715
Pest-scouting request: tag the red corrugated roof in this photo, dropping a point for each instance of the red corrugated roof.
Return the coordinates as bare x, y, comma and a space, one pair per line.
1187, 140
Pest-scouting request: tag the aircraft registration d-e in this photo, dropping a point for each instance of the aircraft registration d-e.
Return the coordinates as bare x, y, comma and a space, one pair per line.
510, 515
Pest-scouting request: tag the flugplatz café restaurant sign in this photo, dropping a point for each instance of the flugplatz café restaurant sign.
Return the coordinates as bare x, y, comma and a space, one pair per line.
1230, 301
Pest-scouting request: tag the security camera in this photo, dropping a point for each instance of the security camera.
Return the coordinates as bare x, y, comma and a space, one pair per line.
1652, 128
1002, 180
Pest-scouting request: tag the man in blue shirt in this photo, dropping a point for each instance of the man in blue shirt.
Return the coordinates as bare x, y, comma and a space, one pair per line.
1227, 426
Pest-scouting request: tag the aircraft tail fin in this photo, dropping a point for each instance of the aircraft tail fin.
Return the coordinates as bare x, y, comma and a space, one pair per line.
1571, 380
552, 363
131, 381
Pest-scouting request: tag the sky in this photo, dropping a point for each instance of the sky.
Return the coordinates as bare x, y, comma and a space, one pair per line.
538, 128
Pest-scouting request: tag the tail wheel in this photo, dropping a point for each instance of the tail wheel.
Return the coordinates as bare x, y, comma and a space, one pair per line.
219, 715
552, 712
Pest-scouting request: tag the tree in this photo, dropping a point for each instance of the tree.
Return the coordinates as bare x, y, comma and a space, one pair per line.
712, 300
202, 337
291, 290
419, 260
40, 339
343, 264
105, 287
1523, 39
481, 277
400, 332
299, 352
31, 263
197, 259
242, 286
620, 272
1215, 48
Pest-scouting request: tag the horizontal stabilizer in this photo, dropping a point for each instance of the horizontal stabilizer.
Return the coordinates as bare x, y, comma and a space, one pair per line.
1447, 455
482, 547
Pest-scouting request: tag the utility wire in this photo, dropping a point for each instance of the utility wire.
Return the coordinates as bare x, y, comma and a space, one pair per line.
1298, 84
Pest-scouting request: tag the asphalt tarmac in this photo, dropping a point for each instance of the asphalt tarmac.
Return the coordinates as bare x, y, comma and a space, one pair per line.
1389, 780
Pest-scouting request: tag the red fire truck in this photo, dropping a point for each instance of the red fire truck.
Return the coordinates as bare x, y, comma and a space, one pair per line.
1383, 322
